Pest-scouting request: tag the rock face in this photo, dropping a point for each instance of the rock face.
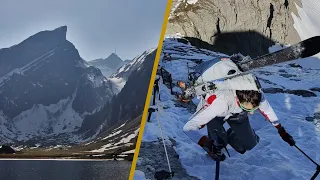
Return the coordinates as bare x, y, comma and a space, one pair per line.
150, 162
46, 88
109, 65
133, 65
234, 21
128, 104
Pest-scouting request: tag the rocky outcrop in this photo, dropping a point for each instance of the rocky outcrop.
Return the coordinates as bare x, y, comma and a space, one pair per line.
152, 159
303, 93
7, 150
207, 20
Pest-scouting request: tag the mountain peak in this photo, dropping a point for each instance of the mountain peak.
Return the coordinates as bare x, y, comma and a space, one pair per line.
108, 65
62, 30
47, 37
113, 56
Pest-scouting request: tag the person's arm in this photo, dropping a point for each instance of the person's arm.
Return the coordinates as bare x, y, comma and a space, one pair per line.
217, 107
266, 109
192, 127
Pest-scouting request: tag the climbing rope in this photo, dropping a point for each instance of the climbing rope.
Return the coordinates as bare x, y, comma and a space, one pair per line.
161, 130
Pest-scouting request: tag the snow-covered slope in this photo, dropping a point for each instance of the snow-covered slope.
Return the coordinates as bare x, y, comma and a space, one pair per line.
308, 25
292, 91
47, 89
120, 77
119, 139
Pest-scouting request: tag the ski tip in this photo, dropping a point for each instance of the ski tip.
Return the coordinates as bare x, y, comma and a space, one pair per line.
312, 46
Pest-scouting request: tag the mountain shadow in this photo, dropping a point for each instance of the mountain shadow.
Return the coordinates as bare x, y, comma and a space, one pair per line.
250, 43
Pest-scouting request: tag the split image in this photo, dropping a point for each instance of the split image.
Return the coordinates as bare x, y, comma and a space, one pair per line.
73, 82
235, 94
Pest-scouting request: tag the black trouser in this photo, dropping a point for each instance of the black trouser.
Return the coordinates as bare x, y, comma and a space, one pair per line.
240, 136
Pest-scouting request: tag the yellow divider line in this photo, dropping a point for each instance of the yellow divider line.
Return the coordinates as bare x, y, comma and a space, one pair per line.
147, 103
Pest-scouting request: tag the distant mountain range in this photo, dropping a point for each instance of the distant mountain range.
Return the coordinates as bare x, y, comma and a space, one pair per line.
109, 65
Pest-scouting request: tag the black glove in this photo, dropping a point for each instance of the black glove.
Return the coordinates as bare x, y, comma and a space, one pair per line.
285, 136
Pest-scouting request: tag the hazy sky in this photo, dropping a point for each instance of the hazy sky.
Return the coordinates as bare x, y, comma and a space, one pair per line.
95, 27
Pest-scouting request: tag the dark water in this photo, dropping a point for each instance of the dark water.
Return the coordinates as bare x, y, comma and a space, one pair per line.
63, 170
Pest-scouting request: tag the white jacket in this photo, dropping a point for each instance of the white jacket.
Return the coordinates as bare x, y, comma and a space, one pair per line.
224, 104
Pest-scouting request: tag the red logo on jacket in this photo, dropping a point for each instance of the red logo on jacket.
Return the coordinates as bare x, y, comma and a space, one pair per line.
211, 99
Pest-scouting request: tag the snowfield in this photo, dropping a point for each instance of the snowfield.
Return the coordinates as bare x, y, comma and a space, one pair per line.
117, 138
32, 122
272, 158
308, 25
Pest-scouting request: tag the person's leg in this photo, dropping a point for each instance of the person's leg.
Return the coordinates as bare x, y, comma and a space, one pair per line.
240, 135
216, 130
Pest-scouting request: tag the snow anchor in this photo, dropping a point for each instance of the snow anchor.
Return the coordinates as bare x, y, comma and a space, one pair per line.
318, 166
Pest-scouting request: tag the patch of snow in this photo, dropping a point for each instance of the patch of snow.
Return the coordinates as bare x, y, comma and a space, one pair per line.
118, 84
174, 7
139, 175
174, 36
48, 120
112, 134
128, 138
139, 161
277, 47
102, 149
18, 148
176, 4
98, 155
97, 81
308, 25
287, 101
192, 1
120, 126
122, 69
129, 152
114, 147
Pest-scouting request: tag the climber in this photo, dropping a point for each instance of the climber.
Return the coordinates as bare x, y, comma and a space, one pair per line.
230, 105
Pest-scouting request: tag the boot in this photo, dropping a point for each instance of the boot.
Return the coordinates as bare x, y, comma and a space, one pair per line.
213, 151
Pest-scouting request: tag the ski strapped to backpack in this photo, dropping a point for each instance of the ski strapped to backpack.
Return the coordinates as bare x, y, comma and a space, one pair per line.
224, 73
244, 81
303, 49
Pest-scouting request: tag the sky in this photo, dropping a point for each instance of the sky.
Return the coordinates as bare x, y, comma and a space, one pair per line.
96, 28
